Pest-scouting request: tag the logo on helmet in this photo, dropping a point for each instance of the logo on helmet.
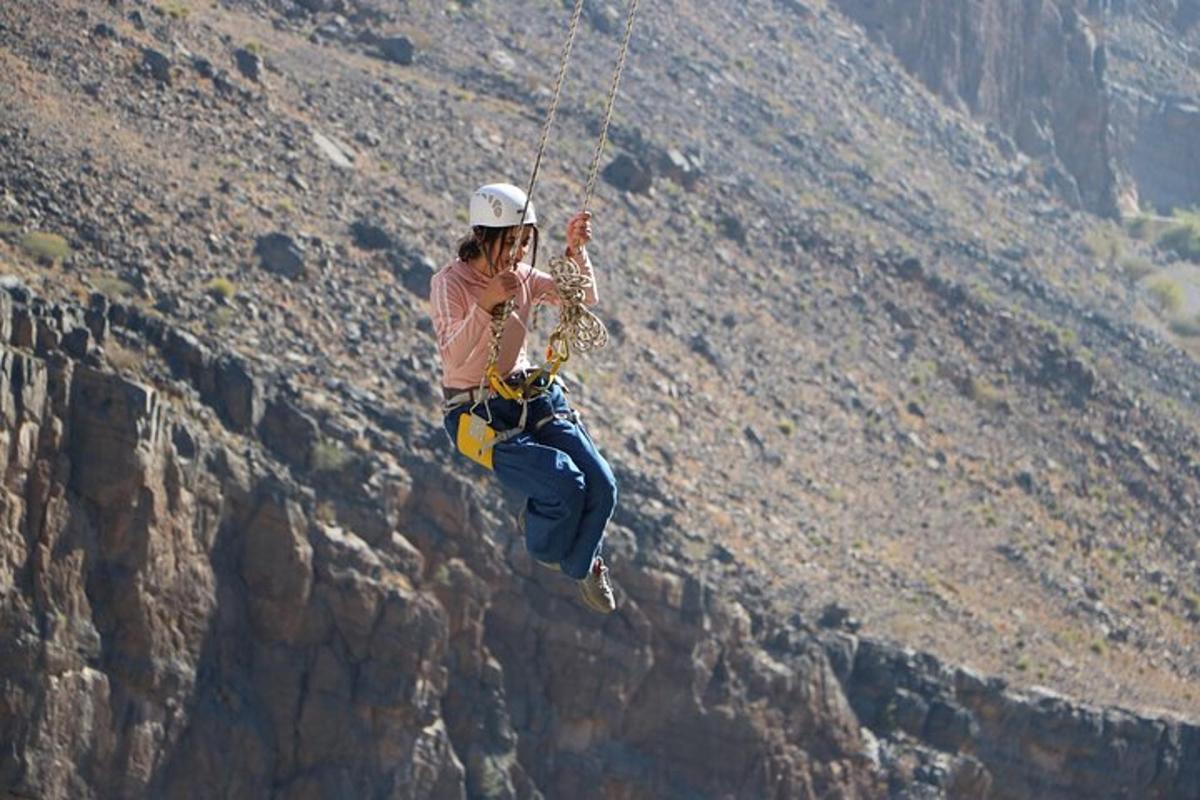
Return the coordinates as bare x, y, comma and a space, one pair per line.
497, 207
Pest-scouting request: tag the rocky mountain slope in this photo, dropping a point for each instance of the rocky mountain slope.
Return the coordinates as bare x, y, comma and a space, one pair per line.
865, 385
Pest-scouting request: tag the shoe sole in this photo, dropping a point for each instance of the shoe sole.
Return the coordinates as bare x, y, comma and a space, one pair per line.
595, 605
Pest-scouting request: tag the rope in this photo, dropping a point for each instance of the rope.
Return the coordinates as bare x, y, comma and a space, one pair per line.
578, 328
612, 101
500, 315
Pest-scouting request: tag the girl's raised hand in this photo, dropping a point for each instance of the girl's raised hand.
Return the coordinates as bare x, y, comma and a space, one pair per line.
579, 231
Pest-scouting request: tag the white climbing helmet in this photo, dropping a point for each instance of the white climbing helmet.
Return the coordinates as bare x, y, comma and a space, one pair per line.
499, 205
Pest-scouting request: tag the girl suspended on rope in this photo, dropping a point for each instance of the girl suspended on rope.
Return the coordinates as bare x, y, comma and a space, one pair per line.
504, 412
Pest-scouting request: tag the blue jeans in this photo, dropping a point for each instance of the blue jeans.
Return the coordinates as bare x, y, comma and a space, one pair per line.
570, 488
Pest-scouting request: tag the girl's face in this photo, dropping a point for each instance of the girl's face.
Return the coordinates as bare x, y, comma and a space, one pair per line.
502, 249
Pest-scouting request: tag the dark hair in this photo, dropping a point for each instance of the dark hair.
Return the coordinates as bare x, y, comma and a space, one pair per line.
473, 244
480, 240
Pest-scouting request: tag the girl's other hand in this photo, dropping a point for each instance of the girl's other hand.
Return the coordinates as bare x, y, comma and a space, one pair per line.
501, 287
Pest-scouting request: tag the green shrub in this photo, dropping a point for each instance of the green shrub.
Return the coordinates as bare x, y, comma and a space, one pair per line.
1167, 293
113, 286
221, 288
175, 10
221, 317
329, 456
1136, 267
1182, 237
1140, 227
1189, 328
988, 395
1104, 245
45, 247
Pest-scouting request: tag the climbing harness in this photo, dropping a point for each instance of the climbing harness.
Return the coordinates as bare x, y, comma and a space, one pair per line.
578, 329
477, 436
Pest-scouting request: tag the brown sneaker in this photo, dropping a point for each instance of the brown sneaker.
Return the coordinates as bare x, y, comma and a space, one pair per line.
596, 589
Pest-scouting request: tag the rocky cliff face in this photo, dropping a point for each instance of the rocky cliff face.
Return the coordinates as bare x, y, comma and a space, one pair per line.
185, 615
1159, 138
1156, 100
1104, 94
253, 572
1034, 69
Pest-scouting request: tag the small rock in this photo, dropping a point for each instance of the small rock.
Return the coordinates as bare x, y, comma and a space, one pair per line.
796, 7
414, 270
397, 49
679, 168
337, 27
156, 65
502, 61
340, 155
753, 437
723, 554
606, 18
104, 31
280, 254
223, 84
835, 615
701, 345
910, 269
732, 228
249, 63
368, 138
370, 237
628, 174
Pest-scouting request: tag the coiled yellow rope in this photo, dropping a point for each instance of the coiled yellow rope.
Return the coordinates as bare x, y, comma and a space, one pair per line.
578, 329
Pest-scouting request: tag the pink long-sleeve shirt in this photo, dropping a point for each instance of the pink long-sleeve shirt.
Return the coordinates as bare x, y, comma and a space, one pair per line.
463, 328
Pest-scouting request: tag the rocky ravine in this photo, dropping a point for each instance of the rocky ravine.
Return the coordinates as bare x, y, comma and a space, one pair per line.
1075, 460
206, 594
1102, 92
1033, 69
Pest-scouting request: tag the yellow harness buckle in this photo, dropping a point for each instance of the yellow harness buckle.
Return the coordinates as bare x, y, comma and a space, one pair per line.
475, 439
